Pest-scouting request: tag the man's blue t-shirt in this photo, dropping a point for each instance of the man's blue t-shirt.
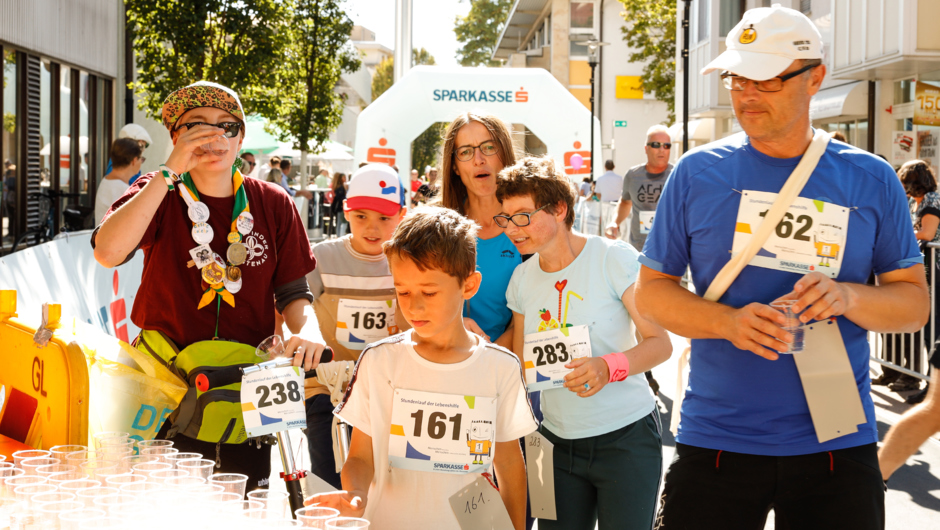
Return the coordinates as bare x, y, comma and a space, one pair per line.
736, 400
497, 257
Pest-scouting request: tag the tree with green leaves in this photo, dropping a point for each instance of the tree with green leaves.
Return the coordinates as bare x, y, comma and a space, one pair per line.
424, 148
302, 106
479, 31
236, 43
651, 30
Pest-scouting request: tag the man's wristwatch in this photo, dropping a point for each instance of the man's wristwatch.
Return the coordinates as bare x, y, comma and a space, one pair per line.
170, 176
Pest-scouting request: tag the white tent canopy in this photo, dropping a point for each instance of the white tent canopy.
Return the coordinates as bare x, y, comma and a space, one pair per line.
430, 94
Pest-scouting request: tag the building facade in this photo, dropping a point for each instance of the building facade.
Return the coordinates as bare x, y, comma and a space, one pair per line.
549, 34
875, 53
60, 60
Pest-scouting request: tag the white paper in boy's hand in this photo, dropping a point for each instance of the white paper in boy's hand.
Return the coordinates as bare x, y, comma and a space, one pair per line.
479, 507
540, 471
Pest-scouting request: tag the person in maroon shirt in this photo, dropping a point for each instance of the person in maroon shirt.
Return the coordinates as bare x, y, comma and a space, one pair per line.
199, 206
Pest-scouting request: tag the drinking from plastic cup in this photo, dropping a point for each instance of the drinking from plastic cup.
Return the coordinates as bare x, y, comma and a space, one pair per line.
198, 468
70, 520
793, 326
315, 516
29, 465
88, 495
19, 456
232, 482
274, 501
175, 459
346, 522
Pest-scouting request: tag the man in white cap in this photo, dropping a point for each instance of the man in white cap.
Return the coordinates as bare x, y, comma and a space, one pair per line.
134, 132
747, 442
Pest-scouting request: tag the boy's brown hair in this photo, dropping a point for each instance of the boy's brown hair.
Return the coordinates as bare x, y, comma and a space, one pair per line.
539, 178
436, 238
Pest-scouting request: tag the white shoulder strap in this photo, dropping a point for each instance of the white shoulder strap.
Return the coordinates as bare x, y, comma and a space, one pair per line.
790, 191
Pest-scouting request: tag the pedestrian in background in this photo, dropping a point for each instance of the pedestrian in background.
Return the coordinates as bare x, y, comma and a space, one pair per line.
125, 161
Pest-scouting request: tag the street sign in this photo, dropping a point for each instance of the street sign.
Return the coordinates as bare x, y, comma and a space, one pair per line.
620, 123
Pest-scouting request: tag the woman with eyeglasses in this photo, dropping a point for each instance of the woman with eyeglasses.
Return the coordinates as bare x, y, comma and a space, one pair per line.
477, 147
572, 304
220, 253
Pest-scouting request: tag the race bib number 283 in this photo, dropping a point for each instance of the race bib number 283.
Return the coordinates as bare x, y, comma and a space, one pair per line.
546, 353
810, 237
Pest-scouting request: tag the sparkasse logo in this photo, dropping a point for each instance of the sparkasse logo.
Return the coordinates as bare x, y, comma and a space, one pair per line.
482, 96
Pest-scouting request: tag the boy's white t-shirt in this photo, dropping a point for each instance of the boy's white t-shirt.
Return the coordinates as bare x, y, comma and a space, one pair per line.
109, 190
406, 499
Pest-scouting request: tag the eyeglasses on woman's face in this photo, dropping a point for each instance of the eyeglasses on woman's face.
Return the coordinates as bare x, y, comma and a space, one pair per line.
465, 153
518, 219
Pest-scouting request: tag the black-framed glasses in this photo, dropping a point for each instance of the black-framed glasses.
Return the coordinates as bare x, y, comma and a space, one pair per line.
143, 159
657, 145
518, 219
465, 153
736, 83
231, 128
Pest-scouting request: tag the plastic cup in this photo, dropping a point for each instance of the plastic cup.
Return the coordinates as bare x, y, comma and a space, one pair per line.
175, 459
88, 495
106, 502
274, 501
11, 483
19, 456
70, 520
271, 348
62, 451
793, 326
315, 516
108, 434
3, 458
53, 469
97, 469
204, 488
149, 467
218, 146
60, 478
183, 482
346, 522
163, 475
240, 506
223, 496
50, 512
232, 482
132, 511
74, 486
141, 489
282, 523
52, 497
201, 468
161, 452
29, 465
144, 444
24, 494
6, 469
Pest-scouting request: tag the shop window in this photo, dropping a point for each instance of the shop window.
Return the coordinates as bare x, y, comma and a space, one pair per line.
582, 15
904, 91
65, 128
9, 146
83, 164
701, 23
45, 122
729, 14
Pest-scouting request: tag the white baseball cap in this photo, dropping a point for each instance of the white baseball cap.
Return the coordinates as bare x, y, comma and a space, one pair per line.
135, 132
374, 187
766, 42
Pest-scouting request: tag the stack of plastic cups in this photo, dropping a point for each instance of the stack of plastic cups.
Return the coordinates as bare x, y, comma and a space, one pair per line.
30, 465
72, 519
166, 474
201, 468
162, 452
341, 523
174, 459
74, 486
49, 512
62, 451
7, 499
19, 456
275, 502
128, 462
232, 482
88, 495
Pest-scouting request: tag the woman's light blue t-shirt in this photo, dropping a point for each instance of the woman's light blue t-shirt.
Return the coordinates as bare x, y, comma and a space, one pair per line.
497, 257
588, 291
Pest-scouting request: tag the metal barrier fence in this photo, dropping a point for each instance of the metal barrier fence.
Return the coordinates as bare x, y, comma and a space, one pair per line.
909, 353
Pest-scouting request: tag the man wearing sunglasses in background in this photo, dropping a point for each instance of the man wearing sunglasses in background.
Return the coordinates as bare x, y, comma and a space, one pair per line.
642, 186
747, 442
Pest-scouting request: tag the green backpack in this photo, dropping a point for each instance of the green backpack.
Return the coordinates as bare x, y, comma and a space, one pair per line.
214, 416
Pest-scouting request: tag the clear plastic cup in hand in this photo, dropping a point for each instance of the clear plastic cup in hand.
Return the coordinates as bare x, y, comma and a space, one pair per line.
271, 348
218, 146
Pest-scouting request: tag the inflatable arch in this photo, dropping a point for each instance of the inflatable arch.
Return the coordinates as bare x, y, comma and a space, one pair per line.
430, 94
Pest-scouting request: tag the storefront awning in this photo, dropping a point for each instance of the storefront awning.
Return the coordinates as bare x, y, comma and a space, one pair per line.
844, 100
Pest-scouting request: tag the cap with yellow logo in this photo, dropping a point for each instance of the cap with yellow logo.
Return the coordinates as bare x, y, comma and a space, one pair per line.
766, 42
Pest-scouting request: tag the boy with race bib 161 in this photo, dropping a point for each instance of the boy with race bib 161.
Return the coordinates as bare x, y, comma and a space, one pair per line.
435, 406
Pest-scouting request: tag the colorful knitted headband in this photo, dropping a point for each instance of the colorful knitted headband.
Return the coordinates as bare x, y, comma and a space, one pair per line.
201, 94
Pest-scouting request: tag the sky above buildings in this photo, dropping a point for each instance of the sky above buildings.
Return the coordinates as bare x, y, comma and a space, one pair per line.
433, 27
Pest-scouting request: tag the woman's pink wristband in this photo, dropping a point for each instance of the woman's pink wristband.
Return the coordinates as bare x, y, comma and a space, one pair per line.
618, 365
